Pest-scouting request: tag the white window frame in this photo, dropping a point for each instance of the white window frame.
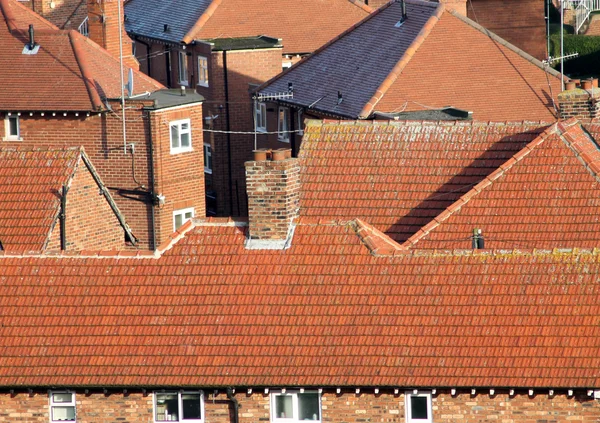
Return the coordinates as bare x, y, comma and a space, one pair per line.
283, 125
179, 406
260, 116
179, 149
300, 120
207, 154
408, 409
182, 212
182, 64
294, 395
8, 136
202, 71
62, 404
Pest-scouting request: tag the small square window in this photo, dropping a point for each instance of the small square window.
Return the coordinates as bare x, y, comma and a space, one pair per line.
62, 406
207, 158
181, 136
295, 406
418, 407
183, 67
12, 128
283, 125
260, 116
184, 406
202, 71
181, 216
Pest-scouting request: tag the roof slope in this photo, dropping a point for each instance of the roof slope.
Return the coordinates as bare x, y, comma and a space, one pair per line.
545, 196
68, 73
398, 176
188, 20
323, 313
436, 58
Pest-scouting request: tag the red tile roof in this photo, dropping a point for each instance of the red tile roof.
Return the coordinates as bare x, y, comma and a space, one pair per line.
69, 72
545, 196
398, 176
323, 313
379, 66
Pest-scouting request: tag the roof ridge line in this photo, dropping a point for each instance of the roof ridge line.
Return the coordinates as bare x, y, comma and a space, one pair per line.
378, 243
362, 5
479, 187
402, 63
8, 15
5, 8
206, 15
174, 237
589, 163
323, 47
506, 44
85, 73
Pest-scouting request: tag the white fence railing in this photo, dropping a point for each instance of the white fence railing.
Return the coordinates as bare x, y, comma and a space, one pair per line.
83, 28
583, 9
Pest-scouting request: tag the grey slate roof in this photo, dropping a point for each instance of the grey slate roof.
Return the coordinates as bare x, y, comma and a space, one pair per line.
148, 17
341, 66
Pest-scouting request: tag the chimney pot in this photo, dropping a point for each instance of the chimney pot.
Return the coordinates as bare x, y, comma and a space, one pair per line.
571, 85
586, 85
260, 155
279, 155
595, 82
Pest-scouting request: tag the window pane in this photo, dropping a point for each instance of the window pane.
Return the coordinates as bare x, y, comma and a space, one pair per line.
191, 406
174, 136
185, 139
188, 216
13, 124
308, 407
418, 407
167, 407
63, 413
283, 407
178, 220
62, 397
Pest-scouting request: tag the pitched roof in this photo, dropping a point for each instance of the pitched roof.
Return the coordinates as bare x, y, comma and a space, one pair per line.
323, 313
436, 58
544, 196
190, 20
398, 176
69, 72
30, 182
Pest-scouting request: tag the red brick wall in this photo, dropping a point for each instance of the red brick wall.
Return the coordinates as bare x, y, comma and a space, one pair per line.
65, 14
179, 177
520, 22
91, 222
136, 407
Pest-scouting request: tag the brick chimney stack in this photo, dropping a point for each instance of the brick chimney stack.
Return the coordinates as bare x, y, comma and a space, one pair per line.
459, 6
103, 24
273, 186
580, 100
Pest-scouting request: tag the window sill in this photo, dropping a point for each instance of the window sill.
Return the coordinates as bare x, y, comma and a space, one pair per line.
184, 83
12, 139
285, 140
181, 150
202, 84
261, 129
209, 171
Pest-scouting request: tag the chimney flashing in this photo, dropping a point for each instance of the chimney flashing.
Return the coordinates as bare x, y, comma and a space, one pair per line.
271, 244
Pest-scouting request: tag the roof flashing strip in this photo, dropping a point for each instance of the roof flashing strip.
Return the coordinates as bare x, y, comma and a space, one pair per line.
271, 244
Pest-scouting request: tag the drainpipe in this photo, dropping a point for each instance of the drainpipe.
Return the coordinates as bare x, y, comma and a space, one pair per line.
168, 63
236, 404
148, 56
152, 193
63, 218
228, 132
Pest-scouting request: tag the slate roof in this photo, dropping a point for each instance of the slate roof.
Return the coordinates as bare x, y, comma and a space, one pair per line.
191, 20
323, 313
436, 58
69, 73
31, 182
545, 196
398, 176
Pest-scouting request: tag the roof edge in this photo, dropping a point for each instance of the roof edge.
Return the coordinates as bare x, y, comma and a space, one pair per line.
402, 63
378, 243
95, 100
210, 10
361, 5
8, 15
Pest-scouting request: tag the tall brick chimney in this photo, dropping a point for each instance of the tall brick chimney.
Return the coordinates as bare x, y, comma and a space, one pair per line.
103, 24
580, 101
458, 5
273, 187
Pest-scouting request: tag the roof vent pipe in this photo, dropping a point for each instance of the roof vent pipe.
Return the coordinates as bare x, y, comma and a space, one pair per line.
403, 2
31, 38
477, 240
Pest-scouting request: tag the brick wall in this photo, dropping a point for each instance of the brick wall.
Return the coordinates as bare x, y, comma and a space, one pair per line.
91, 222
520, 22
579, 103
65, 14
347, 407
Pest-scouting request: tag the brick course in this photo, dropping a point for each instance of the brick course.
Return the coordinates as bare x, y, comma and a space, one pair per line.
579, 103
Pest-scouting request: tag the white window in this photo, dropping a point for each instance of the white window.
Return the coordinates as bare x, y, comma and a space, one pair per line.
62, 406
260, 115
12, 128
283, 124
202, 71
286, 65
181, 216
300, 120
179, 406
181, 136
207, 158
183, 68
295, 406
418, 407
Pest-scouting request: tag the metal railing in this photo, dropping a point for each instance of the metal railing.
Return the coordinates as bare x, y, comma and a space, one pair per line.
83, 28
583, 9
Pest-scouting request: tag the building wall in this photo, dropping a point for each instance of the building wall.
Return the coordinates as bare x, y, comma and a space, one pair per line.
65, 14
91, 222
520, 22
136, 407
